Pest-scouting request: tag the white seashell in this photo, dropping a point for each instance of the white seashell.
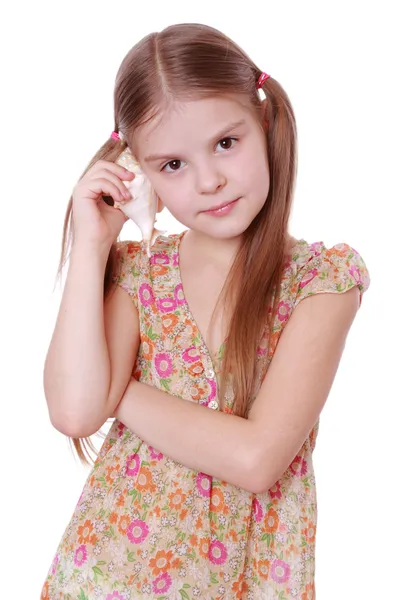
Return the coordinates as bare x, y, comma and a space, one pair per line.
142, 209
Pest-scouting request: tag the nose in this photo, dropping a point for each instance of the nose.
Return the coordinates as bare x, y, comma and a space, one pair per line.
209, 178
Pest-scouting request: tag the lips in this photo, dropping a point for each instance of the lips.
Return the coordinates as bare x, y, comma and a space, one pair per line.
221, 205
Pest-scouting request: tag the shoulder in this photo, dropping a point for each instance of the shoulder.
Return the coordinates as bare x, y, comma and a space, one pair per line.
134, 266
129, 250
317, 268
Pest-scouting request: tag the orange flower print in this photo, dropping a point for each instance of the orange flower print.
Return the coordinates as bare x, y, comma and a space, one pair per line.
113, 518
309, 532
144, 481
309, 594
132, 248
112, 473
176, 563
84, 532
161, 562
271, 521
169, 321
123, 523
193, 540
263, 568
233, 535
147, 347
238, 587
121, 499
176, 499
159, 270
217, 500
196, 369
45, 592
197, 393
341, 250
204, 547
183, 514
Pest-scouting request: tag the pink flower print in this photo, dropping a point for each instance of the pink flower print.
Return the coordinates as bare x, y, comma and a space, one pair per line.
166, 305
160, 259
178, 293
54, 564
162, 584
258, 511
137, 531
203, 484
315, 248
275, 491
310, 276
299, 466
155, 455
163, 364
121, 428
280, 571
217, 553
114, 596
80, 556
175, 259
191, 355
146, 294
355, 273
283, 311
213, 389
132, 465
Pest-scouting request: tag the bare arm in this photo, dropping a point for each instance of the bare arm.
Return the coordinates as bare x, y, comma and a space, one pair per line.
253, 453
93, 347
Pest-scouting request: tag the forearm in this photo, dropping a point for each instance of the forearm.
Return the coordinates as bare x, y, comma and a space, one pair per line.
77, 366
202, 439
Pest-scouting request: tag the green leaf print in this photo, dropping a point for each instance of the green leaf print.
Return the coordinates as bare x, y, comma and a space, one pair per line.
82, 595
101, 562
131, 557
98, 571
165, 384
186, 586
184, 594
214, 578
150, 334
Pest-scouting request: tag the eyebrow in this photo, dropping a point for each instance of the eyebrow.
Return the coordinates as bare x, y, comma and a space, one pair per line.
220, 135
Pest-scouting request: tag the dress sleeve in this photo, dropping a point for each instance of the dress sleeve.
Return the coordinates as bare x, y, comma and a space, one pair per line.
332, 270
127, 267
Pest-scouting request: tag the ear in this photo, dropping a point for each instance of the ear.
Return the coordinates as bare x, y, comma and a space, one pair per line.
160, 205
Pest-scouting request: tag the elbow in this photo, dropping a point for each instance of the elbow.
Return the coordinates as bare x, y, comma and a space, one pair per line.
258, 478
73, 426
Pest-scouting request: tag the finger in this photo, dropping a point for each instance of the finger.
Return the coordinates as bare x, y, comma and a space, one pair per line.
105, 187
112, 167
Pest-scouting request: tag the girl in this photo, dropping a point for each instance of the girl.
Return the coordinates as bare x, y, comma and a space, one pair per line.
206, 354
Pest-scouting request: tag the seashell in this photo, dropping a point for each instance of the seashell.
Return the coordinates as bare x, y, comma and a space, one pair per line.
142, 208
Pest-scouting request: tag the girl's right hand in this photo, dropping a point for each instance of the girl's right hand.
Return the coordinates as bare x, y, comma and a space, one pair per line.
94, 220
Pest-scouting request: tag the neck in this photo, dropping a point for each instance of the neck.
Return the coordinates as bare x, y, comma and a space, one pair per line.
210, 249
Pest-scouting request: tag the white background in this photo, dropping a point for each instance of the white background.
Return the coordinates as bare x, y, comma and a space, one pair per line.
338, 62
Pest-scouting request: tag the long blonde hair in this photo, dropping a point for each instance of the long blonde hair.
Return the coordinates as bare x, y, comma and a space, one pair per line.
188, 61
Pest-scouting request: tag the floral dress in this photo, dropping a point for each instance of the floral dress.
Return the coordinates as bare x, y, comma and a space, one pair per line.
146, 526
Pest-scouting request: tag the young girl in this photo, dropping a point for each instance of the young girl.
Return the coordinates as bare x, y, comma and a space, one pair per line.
207, 354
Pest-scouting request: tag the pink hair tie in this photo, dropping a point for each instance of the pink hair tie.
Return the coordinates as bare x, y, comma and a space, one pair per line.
115, 135
261, 80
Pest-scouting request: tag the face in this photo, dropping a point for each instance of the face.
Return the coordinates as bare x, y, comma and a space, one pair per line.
207, 161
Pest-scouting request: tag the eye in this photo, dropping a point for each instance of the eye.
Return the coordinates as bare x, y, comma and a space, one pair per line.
174, 164
228, 142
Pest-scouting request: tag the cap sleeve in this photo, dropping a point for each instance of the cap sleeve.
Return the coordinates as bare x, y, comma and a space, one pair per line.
127, 270
331, 270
